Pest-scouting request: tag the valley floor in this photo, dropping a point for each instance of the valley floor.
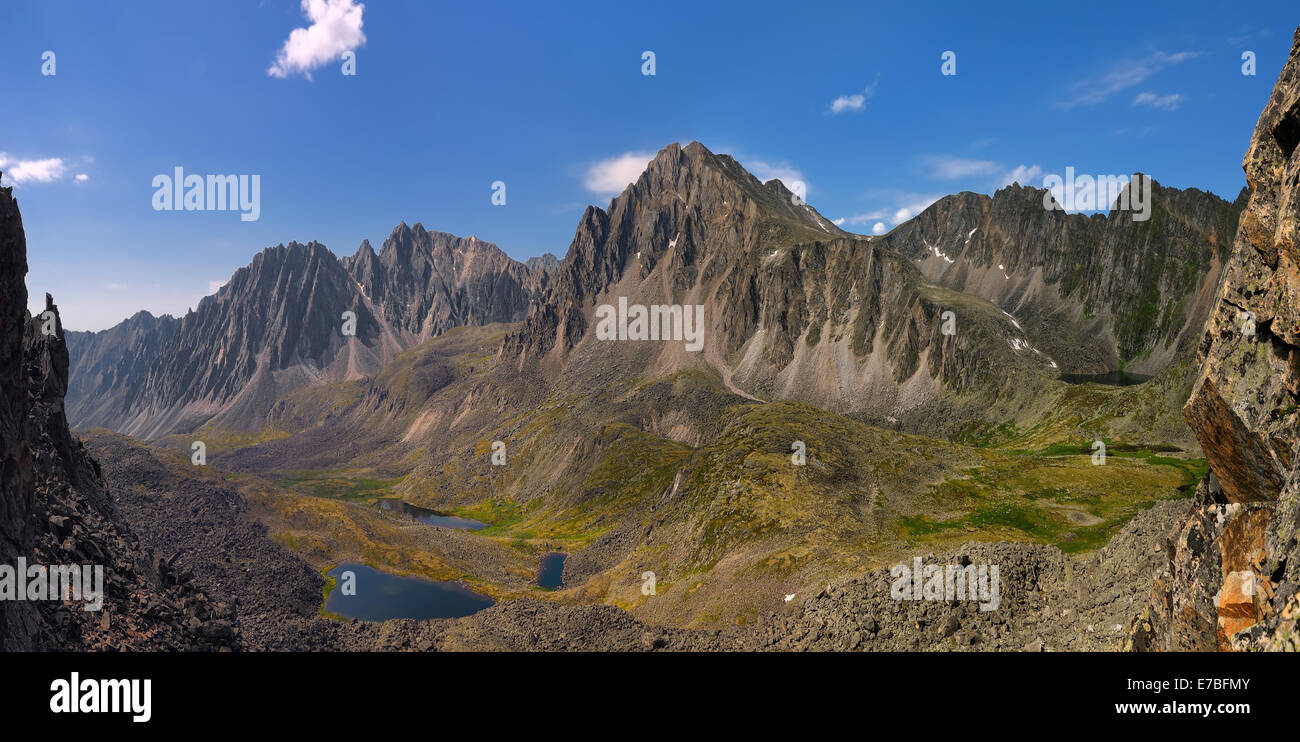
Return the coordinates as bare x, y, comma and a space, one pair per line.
263, 549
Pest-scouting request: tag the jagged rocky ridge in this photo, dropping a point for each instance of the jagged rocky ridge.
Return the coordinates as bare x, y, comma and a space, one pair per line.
55, 508
1232, 571
277, 326
795, 308
1096, 293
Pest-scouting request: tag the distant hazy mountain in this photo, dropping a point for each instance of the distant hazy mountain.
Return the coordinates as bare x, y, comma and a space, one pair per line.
277, 325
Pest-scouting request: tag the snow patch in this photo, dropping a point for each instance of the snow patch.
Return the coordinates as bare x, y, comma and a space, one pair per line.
938, 253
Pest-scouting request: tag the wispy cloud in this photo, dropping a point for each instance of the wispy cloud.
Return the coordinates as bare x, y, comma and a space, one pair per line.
335, 28
1122, 76
213, 286
900, 208
945, 167
854, 101
948, 167
610, 176
1025, 175
31, 171
1163, 102
116, 287
81, 177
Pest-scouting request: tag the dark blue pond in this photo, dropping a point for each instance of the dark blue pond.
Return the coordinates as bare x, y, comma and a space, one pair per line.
430, 517
1112, 378
550, 574
381, 596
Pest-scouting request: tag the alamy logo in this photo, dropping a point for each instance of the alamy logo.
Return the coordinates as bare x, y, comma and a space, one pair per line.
656, 322
181, 192
1089, 193
94, 696
946, 582
77, 582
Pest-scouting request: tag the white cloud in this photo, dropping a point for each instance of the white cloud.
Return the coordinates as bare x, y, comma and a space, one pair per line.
1163, 102
116, 287
612, 175
905, 206
946, 167
81, 177
854, 101
335, 28
838, 222
1122, 76
1023, 174
36, 171
865, 218
782, 171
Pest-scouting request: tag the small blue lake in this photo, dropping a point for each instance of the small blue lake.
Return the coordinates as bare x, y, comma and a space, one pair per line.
381, 596
550, 574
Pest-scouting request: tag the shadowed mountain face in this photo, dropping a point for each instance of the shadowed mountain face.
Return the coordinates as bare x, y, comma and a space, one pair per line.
278, 325
1097, 292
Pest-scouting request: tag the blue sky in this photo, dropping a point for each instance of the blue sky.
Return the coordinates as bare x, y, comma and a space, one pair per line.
550, 99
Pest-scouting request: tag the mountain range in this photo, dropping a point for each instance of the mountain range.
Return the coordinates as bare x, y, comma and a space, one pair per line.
795, 308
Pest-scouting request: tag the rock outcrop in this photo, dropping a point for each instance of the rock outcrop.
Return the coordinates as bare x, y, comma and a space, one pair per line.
17, 619
1234, 567
55, 509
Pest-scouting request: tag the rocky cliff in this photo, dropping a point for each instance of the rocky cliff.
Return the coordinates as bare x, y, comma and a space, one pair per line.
1234, 567
55, 508
17, 619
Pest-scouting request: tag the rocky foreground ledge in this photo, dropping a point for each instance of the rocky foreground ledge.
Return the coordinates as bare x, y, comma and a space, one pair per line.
1234, 566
